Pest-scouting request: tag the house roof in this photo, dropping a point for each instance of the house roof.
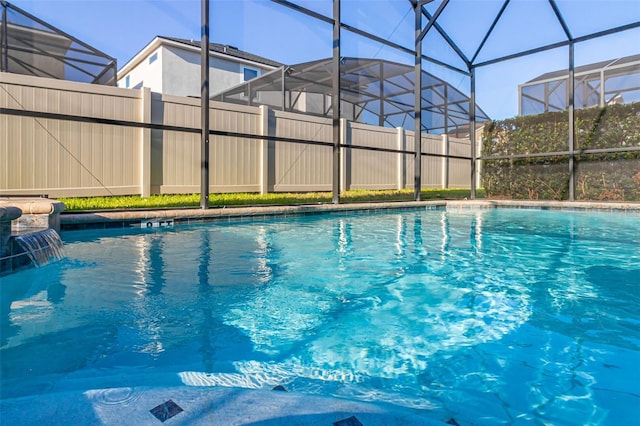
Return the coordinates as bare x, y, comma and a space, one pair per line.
214, 48
227, 50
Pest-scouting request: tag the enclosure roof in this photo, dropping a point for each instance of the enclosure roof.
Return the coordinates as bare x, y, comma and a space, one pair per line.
462, 35
467, 34
585, 69
33, 47
381, 87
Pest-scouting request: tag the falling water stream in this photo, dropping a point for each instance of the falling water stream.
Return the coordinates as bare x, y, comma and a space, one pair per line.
42, 247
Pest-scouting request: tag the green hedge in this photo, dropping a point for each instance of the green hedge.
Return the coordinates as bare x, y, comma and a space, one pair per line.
606, 176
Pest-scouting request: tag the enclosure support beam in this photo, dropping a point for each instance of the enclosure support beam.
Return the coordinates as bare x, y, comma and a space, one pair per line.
432, 19
602, 104
472, 132
111, 67
570, 104
488, 33
283, 93
446, 109
446, 37
417, 89
335, 102
369, 35
572, 128
4, 61
381, 116
559, 44
204, 107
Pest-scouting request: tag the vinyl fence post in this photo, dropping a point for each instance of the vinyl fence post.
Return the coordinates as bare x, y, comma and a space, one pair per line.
145, 143
401, 166
345, 155
445, 161
264, 149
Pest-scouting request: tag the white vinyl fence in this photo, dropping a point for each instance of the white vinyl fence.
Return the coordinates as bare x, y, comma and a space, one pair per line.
66, 158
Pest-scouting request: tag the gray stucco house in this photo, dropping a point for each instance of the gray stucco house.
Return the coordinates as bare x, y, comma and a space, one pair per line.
172, 66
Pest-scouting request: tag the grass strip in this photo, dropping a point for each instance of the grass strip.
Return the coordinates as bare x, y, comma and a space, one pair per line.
132, 202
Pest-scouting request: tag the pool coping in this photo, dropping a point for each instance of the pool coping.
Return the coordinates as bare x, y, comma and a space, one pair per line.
168, 217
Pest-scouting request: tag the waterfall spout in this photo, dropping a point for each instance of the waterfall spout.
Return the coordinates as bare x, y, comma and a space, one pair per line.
42, 247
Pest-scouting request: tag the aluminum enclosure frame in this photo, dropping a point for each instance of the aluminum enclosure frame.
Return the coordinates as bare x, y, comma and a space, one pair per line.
472, 65
378, 87
72, 58
425, 23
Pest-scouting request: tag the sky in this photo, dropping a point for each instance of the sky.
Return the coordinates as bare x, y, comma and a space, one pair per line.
121, 28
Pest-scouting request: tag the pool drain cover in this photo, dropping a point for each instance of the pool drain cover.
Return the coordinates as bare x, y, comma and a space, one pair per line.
166, 410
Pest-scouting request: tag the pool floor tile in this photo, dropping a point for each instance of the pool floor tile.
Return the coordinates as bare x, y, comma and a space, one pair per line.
166, 410
350, 421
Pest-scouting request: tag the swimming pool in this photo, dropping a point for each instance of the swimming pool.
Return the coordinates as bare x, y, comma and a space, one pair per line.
486, 315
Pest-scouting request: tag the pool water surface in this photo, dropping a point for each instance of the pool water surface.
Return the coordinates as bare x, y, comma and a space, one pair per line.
491, 316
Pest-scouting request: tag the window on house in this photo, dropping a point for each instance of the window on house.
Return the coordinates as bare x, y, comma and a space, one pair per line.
127, 82
153, 58
250, 74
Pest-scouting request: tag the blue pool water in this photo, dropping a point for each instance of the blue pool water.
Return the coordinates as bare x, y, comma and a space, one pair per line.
489, 316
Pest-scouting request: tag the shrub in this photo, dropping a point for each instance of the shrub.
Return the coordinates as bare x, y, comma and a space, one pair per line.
599, 176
